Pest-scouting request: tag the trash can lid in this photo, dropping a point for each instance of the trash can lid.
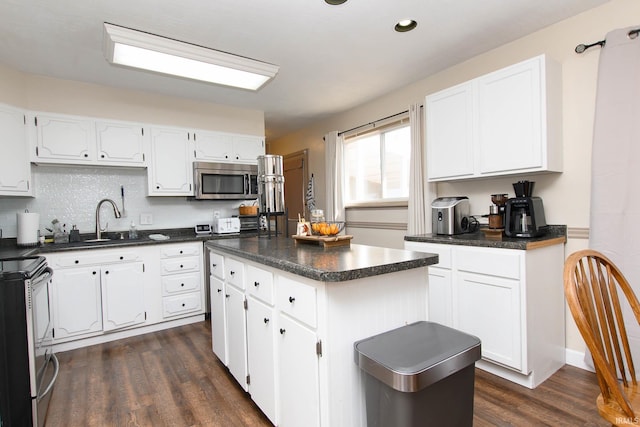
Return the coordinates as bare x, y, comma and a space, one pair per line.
415, 356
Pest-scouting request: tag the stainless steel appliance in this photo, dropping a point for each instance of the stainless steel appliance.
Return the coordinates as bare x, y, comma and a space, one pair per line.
450, 215
225, 181
271, 183
525, 217
28, 366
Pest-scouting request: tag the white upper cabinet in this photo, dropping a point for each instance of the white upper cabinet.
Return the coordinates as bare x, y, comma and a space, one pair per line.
82, 140
226, 147
170, 171
64, 139
120, 143
506, 122
15, 168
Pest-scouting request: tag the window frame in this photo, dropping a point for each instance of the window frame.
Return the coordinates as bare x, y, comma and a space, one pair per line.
375, 128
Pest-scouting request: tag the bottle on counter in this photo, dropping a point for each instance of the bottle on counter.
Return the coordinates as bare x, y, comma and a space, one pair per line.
133, 232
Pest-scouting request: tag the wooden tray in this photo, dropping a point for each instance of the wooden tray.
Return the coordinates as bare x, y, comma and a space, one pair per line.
325, 241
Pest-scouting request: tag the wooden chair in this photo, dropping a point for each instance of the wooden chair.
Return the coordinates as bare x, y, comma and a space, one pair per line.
593, 286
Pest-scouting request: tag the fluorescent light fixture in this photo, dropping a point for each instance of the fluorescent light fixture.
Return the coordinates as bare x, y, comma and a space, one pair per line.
137, 49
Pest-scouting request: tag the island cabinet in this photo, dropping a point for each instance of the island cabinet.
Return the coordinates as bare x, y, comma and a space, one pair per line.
15, 168
100, 295
511, 299
506, 122
301, 330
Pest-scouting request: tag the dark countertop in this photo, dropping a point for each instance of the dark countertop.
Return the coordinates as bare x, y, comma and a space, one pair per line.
9, 248
335, 264
556, 234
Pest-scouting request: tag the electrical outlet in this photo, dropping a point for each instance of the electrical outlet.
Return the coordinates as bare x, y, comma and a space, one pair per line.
146, 219
216, 214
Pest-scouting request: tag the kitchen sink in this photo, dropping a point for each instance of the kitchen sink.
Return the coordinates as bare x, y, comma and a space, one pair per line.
96, 240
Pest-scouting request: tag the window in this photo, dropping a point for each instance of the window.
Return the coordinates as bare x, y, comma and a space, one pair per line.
376, 165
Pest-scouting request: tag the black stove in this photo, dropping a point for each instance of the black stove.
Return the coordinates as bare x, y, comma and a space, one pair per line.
21, 267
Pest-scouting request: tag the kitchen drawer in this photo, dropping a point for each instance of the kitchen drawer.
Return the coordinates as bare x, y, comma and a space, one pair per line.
180, 265
297, 300
443, 251
180, 283
260, 283
234, 272
216, 265
181, 304
492, 262
93, 258
170, 251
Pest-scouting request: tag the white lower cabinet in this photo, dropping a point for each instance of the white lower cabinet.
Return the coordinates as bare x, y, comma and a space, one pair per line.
511, 299
236, 335
218, 319
99, 294
77, 303
261, 334
298, 374
123, 302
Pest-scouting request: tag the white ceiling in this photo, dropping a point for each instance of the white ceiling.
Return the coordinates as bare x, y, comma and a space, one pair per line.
331, 58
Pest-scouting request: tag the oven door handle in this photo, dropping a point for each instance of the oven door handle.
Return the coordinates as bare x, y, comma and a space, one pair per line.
46, 275
56, 367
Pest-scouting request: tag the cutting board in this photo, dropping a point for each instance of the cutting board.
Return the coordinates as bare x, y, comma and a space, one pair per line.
325, 241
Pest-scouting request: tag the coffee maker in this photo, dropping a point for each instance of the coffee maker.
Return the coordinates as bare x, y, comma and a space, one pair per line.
524, 214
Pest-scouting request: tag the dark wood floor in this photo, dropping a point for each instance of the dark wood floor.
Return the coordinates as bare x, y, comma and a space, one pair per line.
172, 378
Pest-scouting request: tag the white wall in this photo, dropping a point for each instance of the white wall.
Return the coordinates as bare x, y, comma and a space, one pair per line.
566, 195
70, 194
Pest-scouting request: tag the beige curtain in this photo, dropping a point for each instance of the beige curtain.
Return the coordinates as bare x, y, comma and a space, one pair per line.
420, 191
615, 175
334, 144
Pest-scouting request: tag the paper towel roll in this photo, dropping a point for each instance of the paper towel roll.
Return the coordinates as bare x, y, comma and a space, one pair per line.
28, 225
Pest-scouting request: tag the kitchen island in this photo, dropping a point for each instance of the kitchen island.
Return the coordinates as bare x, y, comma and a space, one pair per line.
285, 316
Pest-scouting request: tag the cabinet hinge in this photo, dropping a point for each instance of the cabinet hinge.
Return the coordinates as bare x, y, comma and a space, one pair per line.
36, 151
246, 305
35, 121
194, 136
143, 270
319, 348
53, 332
27, 184
143, 159
248, 379
142, 131
24, 119
145, 315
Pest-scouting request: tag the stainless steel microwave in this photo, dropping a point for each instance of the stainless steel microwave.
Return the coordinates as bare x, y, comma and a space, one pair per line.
225, 181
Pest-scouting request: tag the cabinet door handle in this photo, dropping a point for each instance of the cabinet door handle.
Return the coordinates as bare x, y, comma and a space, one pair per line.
227, 295
106, 272
182, 284
183, 304
95, 272
266, 320
214, 265
256, 284
181, 266
232, 272
291, 299
219, 290
282, 331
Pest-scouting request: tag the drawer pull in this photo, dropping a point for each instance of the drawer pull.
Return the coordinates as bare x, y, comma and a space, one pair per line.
77, 261
183, 304
282, 331
95, 272
181, 266
256, 284
266, 320
121, 258
106, 272
182, 284
180, 251
291, 299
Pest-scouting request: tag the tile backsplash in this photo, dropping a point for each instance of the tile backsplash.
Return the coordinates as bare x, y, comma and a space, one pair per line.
71, 194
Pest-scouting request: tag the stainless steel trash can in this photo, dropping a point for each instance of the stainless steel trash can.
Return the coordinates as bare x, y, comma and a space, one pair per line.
421, 374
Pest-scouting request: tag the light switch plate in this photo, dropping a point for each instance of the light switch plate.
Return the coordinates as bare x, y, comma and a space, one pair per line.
146, 219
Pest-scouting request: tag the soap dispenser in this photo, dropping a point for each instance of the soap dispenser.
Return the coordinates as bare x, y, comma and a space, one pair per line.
133, 233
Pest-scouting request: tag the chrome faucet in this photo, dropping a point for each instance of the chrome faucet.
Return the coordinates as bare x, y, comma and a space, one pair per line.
116, 212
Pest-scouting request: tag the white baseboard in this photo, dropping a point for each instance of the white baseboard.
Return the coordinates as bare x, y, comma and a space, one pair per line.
576, 358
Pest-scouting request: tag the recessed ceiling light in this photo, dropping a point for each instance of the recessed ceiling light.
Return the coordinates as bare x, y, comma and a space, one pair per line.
405, 25
137, 49
335, 2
